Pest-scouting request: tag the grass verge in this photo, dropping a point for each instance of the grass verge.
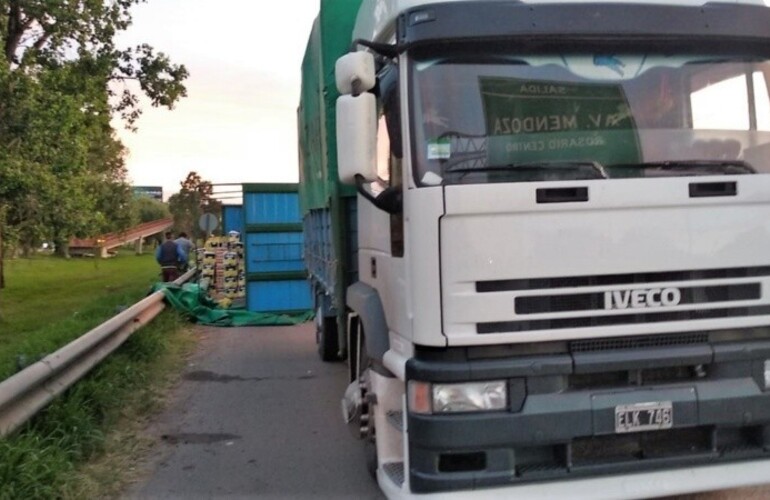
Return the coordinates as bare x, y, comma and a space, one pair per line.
81, 445
49, 302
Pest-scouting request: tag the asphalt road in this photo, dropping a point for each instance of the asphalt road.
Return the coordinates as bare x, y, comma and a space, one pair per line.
257, 415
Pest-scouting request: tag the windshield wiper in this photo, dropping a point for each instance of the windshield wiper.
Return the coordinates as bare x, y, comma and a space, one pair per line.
700, 166
536, 166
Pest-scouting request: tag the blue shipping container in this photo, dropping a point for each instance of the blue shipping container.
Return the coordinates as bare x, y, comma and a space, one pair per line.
274, 252
273, 242
272, 208
279, 296
232, 218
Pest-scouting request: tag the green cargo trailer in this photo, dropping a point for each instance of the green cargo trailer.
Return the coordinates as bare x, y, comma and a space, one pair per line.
328, 208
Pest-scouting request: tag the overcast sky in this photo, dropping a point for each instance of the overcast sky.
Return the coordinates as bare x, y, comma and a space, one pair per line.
238, 123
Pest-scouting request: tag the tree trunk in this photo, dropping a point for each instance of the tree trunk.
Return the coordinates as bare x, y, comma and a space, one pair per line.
62, 248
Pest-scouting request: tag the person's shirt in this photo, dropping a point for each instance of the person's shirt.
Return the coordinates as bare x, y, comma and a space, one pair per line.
185, 245
166, 255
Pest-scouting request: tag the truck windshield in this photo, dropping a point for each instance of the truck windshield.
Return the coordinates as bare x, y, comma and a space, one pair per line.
506, 118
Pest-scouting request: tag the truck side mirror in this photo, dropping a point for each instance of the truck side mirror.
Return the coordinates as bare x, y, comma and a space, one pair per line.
357, 137
354, 73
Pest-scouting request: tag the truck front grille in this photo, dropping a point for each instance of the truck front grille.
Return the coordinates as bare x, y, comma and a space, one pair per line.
619, 279
540, 304
629, 299
634, 378
642, 446
639, 342
623, 319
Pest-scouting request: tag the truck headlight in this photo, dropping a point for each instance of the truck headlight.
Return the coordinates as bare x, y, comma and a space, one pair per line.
465, 397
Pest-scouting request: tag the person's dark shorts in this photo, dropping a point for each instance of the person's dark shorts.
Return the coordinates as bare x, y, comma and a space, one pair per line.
169, 273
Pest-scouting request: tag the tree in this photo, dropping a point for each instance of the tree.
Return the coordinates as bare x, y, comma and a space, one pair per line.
62, 171
42, 33
60, 163
147, 209
194, 199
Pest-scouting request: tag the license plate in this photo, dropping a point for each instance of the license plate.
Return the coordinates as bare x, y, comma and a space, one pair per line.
641, 417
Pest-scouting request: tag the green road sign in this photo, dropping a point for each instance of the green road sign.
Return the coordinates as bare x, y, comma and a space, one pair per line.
530, 120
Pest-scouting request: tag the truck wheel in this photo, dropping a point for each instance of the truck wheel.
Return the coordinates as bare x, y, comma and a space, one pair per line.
326, 336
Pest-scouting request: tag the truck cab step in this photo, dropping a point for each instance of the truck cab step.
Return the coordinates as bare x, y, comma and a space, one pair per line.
395, 472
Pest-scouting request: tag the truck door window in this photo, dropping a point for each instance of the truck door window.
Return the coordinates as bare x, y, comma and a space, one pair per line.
383, 150
389, 155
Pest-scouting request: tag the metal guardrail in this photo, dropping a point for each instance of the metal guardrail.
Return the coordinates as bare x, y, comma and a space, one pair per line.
27, 392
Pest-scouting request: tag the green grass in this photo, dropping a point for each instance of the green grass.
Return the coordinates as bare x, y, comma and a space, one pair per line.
48, 302
80, 445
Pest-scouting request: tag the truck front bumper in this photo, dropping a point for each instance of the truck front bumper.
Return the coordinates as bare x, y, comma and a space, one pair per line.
561, 421
641, 485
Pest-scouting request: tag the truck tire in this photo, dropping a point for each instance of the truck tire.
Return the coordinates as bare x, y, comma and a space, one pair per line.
326, 336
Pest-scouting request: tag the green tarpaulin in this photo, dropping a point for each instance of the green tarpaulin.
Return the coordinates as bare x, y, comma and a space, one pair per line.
189, 299
330, 38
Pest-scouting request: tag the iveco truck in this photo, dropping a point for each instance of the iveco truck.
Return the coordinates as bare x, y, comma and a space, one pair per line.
539, 232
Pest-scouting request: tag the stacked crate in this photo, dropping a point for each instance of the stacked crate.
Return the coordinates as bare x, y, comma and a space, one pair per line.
222, 268
276, 279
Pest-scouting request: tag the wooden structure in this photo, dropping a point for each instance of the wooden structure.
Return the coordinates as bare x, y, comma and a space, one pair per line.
101, 245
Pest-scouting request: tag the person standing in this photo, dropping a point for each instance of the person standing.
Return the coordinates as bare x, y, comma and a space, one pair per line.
186, 246
169, 255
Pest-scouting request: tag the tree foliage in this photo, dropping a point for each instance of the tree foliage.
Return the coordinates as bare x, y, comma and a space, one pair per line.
147, 209
62, 79
193, 200
42, 33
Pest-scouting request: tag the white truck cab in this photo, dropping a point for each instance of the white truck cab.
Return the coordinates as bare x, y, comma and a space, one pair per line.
563, 245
